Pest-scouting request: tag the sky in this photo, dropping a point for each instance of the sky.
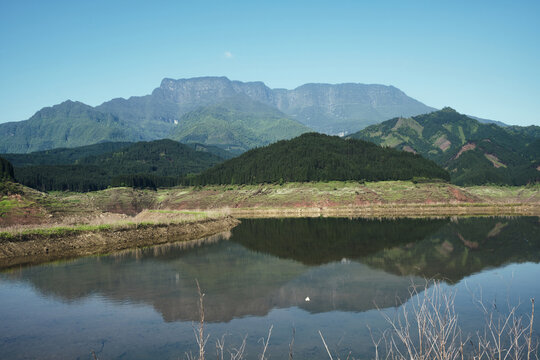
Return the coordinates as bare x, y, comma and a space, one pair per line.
481, 58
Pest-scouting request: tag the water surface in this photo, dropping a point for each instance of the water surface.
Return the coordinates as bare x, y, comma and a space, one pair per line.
143, 303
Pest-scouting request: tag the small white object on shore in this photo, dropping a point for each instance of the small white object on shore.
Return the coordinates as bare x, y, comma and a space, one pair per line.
307, 299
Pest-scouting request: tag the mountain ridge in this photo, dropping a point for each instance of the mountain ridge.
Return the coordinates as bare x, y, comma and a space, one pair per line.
158, 114
473, 152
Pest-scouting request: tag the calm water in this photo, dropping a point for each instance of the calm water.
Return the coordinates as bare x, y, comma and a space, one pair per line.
143, 303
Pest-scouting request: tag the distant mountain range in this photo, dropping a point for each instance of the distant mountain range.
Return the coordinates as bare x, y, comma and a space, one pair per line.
227, 118
473, 153
211, 110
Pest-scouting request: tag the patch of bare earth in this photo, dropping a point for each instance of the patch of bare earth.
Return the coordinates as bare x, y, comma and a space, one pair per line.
462, 196
443, 143
494, 160
407, 148
23, 213
466, 147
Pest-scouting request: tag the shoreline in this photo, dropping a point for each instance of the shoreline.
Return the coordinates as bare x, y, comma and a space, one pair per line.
42, 244
40, 227
392, 211
35, 248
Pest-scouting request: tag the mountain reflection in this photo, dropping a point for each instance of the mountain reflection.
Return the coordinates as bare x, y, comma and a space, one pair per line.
341, 264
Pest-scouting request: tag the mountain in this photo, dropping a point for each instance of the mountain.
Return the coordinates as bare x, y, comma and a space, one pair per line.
345, 108
68, 124
325, 108
6, 170
142, 164
318, 157
333, 109
487, 121
473, 152
237, 124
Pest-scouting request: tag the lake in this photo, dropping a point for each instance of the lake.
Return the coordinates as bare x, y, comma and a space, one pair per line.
143, 303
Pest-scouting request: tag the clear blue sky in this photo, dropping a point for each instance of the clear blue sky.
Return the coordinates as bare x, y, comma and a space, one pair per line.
479, 57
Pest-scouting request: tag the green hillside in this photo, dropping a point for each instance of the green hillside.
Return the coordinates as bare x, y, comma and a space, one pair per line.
70, 156
473, 153
143, 164
236, 124
68, 124
317, 157
63, 156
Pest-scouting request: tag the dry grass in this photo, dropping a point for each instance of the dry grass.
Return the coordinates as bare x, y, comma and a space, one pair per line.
425, 328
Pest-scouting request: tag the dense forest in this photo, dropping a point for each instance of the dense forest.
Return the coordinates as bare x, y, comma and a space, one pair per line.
160, 163
317, 157
6, 170
63, 156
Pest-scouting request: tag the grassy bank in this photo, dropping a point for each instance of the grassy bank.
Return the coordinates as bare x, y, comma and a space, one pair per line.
22, 208
48, 244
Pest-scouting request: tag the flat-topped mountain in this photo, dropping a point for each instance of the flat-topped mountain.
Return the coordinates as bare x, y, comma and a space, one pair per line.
172, 109
345, 108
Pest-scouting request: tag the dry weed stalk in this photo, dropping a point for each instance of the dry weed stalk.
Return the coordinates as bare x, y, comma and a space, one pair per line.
265, 343
234, 353
291, 344
427, 328
506, 336
199, 332
326, 346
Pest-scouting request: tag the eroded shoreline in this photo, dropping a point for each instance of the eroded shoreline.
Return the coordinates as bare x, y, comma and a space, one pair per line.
38, 227
28, 249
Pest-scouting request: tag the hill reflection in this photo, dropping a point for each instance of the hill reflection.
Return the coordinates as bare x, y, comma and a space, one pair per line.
341, 264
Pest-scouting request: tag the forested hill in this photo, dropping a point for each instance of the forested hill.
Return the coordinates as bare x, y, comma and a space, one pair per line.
63, 156
318, 157
69, 124
159, 157
473, 152
72, 156
143, 164
6, 170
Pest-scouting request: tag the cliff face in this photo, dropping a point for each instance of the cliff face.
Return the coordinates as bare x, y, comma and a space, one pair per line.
331, 109
323, 107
